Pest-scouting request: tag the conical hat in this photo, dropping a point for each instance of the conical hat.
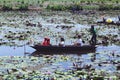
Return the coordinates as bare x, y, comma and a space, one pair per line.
109, 20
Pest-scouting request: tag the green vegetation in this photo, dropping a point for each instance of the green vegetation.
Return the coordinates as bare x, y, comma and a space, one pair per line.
65, 7
60, 5
98, 78
109, 7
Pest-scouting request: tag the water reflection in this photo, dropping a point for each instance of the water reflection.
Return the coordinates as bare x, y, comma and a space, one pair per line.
37, 53
105, 58
23, 50
15, 51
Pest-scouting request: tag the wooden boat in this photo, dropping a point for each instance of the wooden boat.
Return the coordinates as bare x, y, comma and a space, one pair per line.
67, 48
112, 23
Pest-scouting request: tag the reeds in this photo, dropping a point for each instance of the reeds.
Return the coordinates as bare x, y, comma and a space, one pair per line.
73, 7
61, 5
109, 7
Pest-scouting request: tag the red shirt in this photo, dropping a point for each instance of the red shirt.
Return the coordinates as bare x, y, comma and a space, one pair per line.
46, 42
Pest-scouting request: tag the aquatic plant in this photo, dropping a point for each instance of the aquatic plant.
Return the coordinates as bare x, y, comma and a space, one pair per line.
23, 7
7, 7
116, 7
98, 78
105, 7
75, 7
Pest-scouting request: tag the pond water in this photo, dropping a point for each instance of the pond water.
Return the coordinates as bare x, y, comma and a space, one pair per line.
103, 54
27, 50
15, 51
16, 35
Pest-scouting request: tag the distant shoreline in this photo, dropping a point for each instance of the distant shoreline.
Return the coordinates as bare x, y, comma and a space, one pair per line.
61, 6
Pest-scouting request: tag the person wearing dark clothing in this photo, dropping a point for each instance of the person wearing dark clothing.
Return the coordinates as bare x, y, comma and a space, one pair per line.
93, 38
104, 20
62, 39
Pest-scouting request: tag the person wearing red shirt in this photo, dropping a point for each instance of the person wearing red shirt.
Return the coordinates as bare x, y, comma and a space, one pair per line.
46, 41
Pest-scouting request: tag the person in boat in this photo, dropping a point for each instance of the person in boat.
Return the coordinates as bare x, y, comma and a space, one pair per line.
104, 19
93, 38
46, 41
107, 20
62, 41
79, 41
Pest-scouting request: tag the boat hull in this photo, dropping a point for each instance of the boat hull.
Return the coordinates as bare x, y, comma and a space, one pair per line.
113, 23
85, 48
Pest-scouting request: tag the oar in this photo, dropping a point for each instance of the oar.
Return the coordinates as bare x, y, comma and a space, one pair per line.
24, 46
119, 17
